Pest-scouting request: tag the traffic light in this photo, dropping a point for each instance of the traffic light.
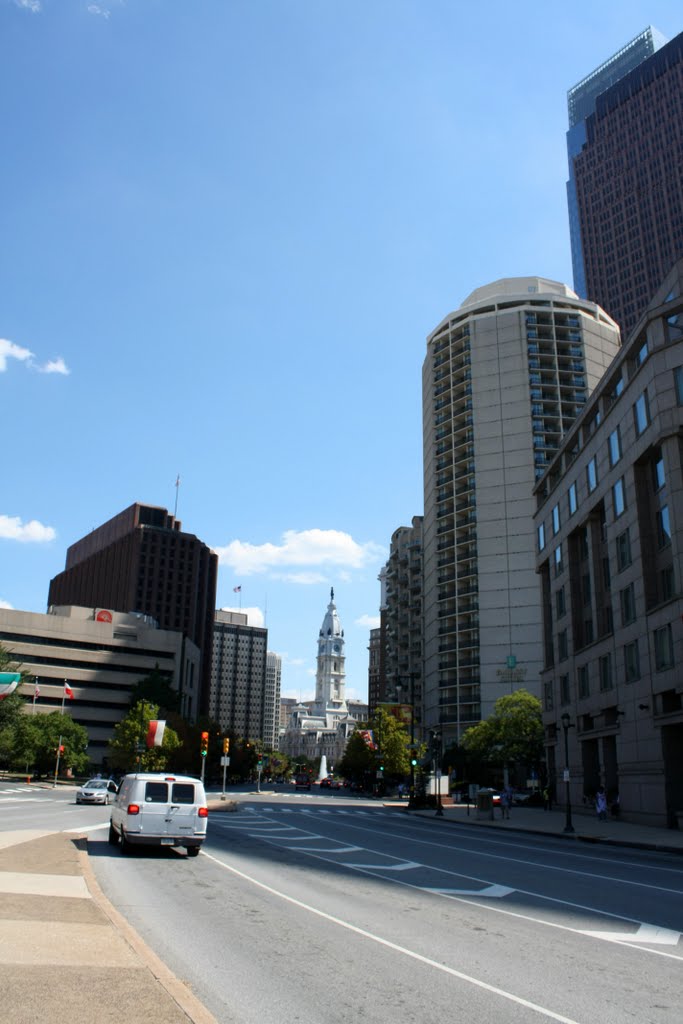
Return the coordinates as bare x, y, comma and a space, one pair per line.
413, 760
60, 750
381, 767
226, 745
205, 744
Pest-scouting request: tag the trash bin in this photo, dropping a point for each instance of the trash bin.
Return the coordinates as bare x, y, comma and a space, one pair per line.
485, 804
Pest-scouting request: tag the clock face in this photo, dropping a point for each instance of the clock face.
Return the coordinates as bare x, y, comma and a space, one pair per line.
336, 648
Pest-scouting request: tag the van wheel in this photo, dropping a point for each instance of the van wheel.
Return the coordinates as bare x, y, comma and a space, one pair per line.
125, 845
192, 851
113, 835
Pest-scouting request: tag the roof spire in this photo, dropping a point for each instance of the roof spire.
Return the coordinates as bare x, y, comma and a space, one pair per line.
331, 593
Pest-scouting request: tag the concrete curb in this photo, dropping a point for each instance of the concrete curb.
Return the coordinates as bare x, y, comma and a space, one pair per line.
177, 990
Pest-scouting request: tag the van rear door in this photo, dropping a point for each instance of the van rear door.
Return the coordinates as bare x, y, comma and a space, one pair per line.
169, 809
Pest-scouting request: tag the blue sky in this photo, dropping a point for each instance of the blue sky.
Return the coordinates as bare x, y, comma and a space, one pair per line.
227, 228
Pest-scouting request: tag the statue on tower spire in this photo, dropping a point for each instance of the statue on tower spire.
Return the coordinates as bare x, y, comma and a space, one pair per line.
331, 593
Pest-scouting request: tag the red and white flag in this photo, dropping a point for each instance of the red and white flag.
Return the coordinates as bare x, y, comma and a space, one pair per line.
36, 692
155, 734
237, 590
68, 692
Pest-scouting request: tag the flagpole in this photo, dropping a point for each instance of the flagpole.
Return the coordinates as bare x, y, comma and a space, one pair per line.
63, 695
177, 488
35, 694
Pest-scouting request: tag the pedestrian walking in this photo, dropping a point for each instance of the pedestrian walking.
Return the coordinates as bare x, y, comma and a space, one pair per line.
547, 804
601, 804
506, 801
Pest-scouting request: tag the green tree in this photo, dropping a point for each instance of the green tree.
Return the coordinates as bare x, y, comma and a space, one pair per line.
512, 735
357, 759
11, 707
128, 749
393, 741
35, 739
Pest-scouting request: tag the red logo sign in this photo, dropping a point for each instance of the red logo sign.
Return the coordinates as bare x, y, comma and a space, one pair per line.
103, 616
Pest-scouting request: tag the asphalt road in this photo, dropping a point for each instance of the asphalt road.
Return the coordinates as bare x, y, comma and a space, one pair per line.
322, 910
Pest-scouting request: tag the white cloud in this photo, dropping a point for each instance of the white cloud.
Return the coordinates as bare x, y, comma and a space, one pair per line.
255, 616
12, 528
34, 6
299, 548
55, 366
8, 350
103, 12
369, 621
5, 604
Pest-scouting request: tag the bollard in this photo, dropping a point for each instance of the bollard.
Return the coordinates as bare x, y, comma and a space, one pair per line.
28, 780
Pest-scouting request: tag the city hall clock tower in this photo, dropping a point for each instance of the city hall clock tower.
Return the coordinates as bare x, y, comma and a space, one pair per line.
330, 679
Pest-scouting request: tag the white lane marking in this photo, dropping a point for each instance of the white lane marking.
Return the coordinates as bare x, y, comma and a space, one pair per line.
405, 865
321, 849
395, 947
646, 933
26, 799
27, 884
496, 891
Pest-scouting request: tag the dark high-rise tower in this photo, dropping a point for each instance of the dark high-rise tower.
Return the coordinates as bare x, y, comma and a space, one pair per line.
625, 189
141, 561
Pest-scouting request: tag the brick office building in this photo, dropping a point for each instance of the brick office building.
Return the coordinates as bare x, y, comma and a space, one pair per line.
141, 561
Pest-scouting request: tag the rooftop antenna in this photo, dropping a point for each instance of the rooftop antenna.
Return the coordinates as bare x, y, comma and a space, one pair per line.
177, 488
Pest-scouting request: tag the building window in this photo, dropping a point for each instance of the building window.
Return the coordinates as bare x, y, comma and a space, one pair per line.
564, 690
592, 474
641, 413
623, 550
548, 696
628, 605
605, 671
582, 679
558, 560
614, 447
619, 498
667, 583
560, 605
664, 648
541, 537
571, 497
556, 520
663, 526
562, 648
678, 384
631, 662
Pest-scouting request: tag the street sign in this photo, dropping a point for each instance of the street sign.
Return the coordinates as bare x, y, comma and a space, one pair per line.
225, 762
565, 775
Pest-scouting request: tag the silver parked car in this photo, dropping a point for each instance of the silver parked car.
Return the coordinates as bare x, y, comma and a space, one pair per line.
97, 791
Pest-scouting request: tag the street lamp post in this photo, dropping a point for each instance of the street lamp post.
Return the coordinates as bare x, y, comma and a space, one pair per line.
567, 725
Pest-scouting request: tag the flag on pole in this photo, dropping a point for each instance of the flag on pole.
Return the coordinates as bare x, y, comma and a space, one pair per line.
237, 590
68, 692
155, 734
36, 692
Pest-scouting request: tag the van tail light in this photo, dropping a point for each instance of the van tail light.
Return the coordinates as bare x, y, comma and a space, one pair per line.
203, 812
133, 808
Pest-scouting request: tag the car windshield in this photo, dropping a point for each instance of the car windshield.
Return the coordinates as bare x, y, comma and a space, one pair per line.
96, 784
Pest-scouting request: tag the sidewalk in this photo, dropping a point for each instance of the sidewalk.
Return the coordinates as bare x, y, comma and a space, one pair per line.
587, 828
67, 953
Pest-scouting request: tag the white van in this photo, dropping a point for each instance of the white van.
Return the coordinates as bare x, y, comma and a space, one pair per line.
159, 809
